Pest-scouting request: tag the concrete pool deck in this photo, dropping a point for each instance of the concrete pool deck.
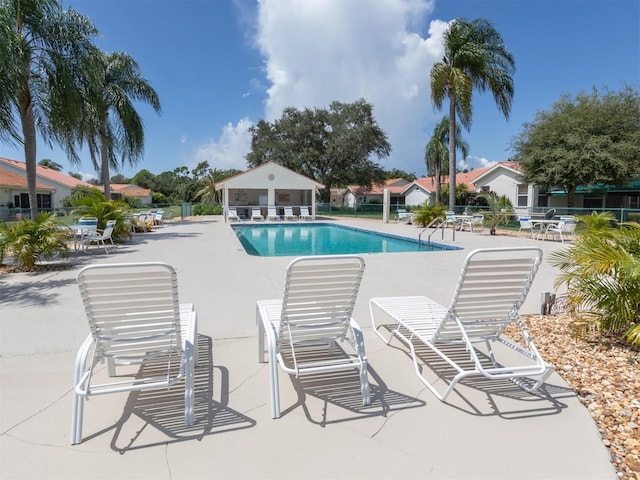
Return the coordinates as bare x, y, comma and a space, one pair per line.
486, 431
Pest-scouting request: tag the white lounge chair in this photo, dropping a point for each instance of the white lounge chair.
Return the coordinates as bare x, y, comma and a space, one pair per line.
492, 286
288, 214
403, 216
232, 215
134, 317
302, 327
100, 236
304, 214
256, 214
272, 214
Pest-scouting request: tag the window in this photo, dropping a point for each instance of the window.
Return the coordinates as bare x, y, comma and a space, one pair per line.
44, 200
523, 195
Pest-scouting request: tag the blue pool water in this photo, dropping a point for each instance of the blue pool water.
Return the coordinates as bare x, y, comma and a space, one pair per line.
276, 240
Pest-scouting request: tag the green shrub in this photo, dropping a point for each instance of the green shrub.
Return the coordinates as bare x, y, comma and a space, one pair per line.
29, 240
601, 271
206, 209
427, 213
105, 211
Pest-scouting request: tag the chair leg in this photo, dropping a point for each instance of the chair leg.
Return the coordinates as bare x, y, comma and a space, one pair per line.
275, 387
189, 385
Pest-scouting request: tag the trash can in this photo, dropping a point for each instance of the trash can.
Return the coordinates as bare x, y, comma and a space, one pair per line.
185, 210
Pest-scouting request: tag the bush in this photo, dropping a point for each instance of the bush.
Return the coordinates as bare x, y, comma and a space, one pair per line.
105, 211
29, 240
206, 209
427, 213
602, 273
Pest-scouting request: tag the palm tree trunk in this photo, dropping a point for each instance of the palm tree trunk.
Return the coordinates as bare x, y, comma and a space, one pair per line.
437, 176
104, 170
29, 137
452, 150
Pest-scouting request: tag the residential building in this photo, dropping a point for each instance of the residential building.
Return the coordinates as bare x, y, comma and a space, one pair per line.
52, 186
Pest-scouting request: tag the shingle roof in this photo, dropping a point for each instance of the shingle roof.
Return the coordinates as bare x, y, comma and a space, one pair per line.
10, 179
49, 174
129, 189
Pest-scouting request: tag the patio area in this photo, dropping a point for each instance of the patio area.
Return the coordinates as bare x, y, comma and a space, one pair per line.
486, 430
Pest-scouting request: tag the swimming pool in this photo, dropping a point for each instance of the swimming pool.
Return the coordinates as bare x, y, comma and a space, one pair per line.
277, 240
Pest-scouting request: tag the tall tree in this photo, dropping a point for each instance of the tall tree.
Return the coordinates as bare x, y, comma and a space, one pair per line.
334, 146
111, 126
437, 152
585, 139
474, 57
44, 51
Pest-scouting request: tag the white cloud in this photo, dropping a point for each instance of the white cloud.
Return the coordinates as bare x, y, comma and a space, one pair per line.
472, 162
319, 51
184, 138
229, 150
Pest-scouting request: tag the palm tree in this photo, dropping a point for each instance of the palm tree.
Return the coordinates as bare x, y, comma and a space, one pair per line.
436, 153
44, 51
110, 124
475, 57
207, 192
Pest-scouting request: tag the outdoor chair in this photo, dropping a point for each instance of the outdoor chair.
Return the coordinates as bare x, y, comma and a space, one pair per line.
534, 228
100, 236
85, 226
475, 221
492, 287
403, 216
450, 218
564, 228
288, 214
304, 214
256, 214
232, 215
302, 327
272, 214
134, 318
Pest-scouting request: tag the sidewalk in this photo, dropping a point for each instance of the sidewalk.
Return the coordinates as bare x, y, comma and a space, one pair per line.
488, 431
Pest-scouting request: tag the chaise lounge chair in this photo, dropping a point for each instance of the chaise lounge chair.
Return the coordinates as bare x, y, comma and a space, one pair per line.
304, 214
492, 286
302, 327
272, 214
288, 214
256, 214
232, 215
134, 318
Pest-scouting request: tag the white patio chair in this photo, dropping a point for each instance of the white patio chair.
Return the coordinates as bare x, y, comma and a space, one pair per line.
256, 214
403, 216
304, 214
100, 236
272, 214
534, 228
475, 221
492, 286
134, 317
302, 327
288, 214
85, 226
564, 228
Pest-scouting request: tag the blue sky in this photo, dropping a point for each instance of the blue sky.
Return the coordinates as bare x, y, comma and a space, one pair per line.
219, 66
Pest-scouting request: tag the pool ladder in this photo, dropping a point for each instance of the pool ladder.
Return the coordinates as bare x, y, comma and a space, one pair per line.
440, 223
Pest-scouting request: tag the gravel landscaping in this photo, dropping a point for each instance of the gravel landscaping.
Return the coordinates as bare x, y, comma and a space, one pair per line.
604, 373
